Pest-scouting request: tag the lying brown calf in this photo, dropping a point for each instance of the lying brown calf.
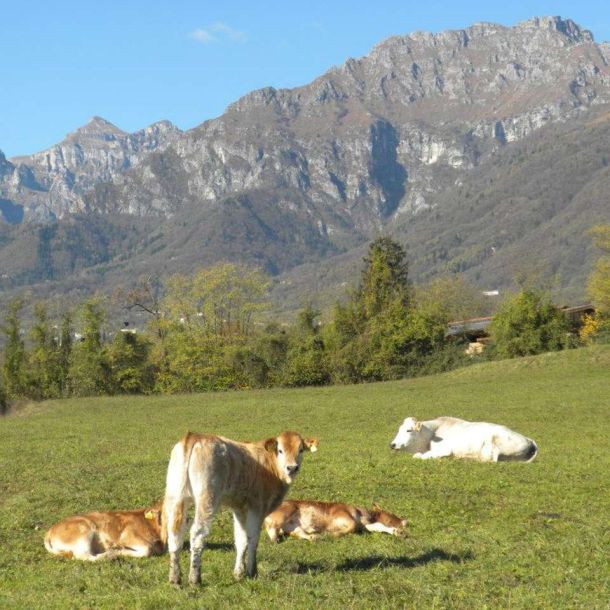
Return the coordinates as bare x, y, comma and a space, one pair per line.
106, 535
309, 519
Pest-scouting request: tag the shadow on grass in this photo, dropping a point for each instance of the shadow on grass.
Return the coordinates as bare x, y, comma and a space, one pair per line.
378, 561
220, 546
214, 546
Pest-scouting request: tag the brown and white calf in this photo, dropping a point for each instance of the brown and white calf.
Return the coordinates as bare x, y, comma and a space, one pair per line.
308, 520
106, 535
250, 478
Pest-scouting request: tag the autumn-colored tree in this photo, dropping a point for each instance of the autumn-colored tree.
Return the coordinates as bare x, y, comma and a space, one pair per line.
599, 280
221, 300
209, 319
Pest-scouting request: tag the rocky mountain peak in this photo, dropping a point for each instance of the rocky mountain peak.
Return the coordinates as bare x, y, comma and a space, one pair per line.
97, 128
567, 27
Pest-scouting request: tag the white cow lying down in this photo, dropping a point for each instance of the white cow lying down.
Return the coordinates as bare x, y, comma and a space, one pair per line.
450, 436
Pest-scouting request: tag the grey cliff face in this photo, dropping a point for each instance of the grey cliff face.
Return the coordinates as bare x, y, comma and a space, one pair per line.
376, 139
51, 183
365, 145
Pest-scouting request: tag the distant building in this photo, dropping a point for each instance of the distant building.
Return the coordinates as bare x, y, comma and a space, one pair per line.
476, 330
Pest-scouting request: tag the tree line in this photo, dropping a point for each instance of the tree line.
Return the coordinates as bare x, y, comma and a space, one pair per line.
205, 332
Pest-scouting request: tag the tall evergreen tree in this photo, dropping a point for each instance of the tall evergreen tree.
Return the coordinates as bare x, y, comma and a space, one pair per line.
64, 350
14, 370
43, 358
379, 334
384, 279
131, 372
89, 373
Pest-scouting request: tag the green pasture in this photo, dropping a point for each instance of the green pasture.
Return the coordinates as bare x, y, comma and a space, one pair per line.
505, 535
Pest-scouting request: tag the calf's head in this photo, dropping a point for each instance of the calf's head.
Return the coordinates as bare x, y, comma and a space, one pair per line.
154, 517
288, 449
395, 523
409, 435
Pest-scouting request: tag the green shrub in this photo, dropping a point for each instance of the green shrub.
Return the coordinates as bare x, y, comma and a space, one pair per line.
249, 368
528, 323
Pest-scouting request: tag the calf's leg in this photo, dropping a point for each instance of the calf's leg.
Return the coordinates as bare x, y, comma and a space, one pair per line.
299, 532
437, 450
253, 531
380, 527
490, 451
143, 550
175, 515
204, 513
241, 541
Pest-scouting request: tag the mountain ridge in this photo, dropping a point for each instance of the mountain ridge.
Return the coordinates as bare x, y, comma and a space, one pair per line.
380, 144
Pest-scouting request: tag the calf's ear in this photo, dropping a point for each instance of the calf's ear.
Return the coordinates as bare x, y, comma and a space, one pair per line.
271, 445
311, 444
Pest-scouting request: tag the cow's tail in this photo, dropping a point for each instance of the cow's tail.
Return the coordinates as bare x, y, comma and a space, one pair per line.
47, 543
176, 492
532, 452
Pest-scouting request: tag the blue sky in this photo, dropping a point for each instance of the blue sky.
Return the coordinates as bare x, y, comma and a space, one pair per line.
136, 62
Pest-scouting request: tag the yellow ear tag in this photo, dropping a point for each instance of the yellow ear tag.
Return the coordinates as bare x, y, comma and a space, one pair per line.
149, 514
314, 448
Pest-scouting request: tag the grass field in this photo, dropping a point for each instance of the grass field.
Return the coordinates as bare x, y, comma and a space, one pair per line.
505, 535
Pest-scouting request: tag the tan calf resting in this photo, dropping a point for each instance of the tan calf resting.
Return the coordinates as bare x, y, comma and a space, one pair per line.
308, 520
107, 535
250, 478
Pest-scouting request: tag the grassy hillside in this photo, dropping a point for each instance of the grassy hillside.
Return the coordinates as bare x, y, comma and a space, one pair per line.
481, 535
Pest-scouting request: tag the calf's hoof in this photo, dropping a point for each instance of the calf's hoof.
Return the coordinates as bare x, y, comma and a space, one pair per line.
194, 579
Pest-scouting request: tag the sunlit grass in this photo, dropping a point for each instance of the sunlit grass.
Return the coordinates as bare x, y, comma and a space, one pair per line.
481, 535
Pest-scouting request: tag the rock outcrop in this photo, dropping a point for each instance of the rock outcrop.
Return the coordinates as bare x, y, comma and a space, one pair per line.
377, 138
50, 184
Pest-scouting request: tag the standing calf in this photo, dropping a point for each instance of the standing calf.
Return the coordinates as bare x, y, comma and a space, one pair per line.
106, 535
250, 478
307, 519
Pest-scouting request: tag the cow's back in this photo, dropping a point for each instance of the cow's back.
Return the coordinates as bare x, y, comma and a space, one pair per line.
469, 438
235, 473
